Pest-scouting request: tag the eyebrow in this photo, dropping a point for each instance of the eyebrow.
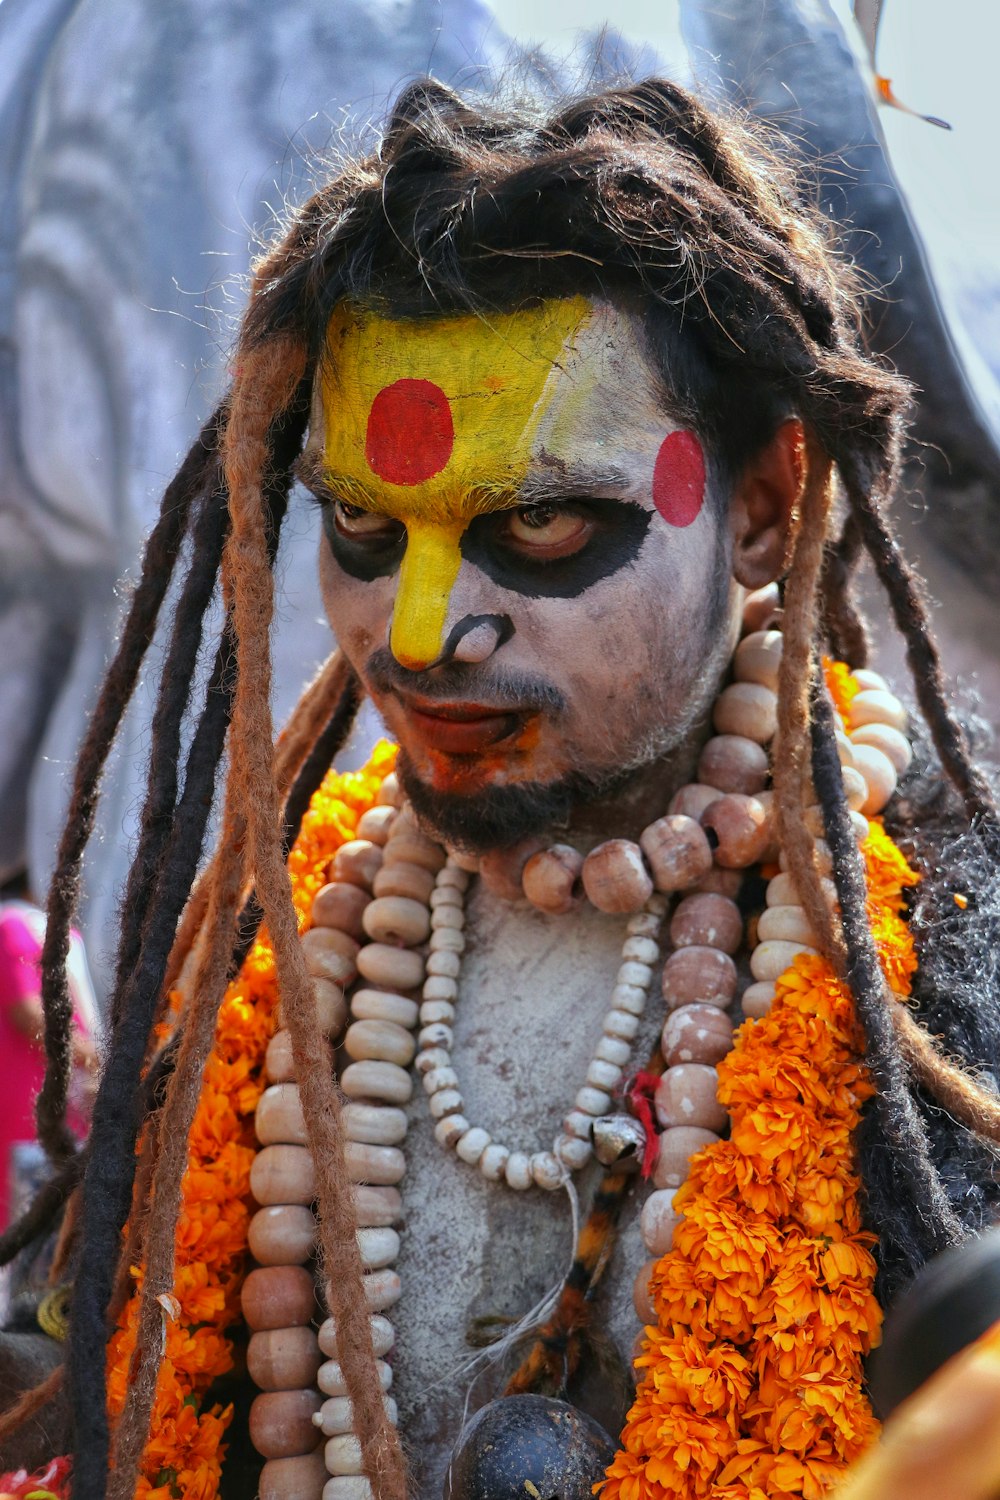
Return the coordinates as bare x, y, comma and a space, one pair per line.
551, 485
567, 481
310, 470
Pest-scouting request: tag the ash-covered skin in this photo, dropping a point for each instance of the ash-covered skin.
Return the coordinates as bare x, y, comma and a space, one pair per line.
577, 634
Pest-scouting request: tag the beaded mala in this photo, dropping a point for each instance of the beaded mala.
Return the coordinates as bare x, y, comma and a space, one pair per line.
573, 1147
392, 915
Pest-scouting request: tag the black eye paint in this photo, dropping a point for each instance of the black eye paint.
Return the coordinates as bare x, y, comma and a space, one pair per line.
616, 542
618, 538
364, 560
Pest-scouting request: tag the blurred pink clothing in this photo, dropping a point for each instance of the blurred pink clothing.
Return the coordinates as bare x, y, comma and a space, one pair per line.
22, 1061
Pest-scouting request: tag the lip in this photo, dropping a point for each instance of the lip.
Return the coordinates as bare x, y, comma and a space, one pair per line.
460, 728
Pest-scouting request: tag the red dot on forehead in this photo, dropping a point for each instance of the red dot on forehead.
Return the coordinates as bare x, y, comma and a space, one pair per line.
679, 478
410, 432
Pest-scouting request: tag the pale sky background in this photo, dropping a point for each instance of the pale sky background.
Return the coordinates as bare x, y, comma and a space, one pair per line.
942, 59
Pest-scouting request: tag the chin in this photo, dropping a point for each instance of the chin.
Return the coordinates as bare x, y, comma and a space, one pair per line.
498, 816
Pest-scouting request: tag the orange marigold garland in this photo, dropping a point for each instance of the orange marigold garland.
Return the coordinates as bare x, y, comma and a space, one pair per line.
183, 1457
840, 685
753, 1384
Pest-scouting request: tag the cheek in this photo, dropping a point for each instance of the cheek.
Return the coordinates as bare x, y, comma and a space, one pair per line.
687, 566
358, 611
652, 622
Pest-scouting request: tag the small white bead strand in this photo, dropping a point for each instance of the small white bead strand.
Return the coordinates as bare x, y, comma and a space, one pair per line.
572, 1148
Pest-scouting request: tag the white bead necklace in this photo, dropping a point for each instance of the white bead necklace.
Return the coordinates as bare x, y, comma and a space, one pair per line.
572, 1147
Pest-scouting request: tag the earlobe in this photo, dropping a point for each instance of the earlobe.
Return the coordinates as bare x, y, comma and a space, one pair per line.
763, 509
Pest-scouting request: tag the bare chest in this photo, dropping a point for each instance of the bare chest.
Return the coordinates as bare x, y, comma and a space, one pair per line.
476, 1257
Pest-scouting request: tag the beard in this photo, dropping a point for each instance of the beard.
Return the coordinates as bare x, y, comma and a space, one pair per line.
499, 817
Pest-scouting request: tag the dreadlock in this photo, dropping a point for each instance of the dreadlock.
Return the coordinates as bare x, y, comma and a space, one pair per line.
910, 612
307, 749
43, 1210
300, 742
207, 539
638, 195
935, 1226
161, 553
266, 370
110, 1171
305, 752
842, 623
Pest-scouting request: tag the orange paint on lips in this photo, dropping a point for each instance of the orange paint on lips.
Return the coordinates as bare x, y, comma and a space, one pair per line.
450, 728
459, 732
493, 766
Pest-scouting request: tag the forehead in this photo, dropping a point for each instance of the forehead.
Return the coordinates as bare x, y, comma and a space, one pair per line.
449, 416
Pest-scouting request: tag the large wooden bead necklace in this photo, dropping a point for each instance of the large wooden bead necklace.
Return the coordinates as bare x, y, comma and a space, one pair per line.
393, 913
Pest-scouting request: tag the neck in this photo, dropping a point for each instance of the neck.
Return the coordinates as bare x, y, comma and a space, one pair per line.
641, 798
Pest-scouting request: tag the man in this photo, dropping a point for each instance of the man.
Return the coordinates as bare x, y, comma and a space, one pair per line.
501, 643
573, 388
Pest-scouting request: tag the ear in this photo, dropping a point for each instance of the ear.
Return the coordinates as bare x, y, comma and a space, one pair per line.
762, 511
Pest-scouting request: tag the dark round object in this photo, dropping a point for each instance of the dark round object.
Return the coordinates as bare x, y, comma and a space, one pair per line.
522, 1441
954, 1299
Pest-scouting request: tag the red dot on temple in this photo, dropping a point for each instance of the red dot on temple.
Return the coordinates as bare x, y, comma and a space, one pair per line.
679, 478
410, 432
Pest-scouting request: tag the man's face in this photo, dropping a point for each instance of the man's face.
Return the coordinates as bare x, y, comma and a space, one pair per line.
525, 566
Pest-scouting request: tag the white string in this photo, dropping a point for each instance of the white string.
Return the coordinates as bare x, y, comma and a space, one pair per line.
525, 1325
535, 1316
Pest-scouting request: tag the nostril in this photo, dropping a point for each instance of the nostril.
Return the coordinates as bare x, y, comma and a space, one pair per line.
476, 637
477, 645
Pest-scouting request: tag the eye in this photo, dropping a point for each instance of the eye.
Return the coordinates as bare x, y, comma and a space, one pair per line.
363, 525
548, 531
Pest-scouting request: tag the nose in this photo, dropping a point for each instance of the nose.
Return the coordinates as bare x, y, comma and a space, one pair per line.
437, 612
427, 575
475, 638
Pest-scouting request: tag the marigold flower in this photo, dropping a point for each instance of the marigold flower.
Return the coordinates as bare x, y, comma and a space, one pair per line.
770, 1267
887, 870
185, 1449
840, 685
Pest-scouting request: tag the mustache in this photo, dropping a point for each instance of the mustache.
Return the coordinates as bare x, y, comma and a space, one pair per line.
454, 679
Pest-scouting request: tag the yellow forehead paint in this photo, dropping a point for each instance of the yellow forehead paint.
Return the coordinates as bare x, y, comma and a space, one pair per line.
431, 422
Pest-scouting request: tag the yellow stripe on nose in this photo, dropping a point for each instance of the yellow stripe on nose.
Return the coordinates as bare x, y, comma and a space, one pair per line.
426, 578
